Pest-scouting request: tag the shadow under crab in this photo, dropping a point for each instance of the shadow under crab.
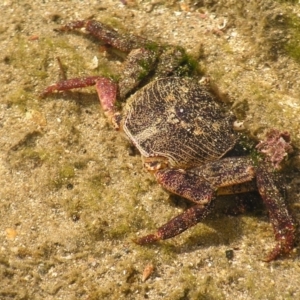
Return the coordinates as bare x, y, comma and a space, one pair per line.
182, 133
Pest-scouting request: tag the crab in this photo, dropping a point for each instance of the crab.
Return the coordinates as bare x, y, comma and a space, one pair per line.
182, 132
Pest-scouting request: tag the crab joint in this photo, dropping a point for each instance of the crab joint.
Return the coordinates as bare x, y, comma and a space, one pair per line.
107, 93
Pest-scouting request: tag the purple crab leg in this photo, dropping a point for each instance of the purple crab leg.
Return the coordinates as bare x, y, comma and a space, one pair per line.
106, 34
280, 218
198, 185
191, 187
177, 225
107, 90
69, 84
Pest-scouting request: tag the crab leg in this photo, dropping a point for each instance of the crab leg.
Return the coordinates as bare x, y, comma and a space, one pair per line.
106, 34
107, 90
182, 222
139, 62
191, 187
69, 84
282, 222
200, 185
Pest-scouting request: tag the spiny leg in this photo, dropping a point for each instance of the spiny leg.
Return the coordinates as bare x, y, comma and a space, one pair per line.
177, 225
139, 62
200, 185
107, 90
171, 58
191, 187
69, 84
281, 220
143, 58
137, 66
143, 55
106, 34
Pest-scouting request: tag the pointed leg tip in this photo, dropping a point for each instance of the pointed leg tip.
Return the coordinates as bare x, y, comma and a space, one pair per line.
148, 239
270, 257
44, 94
279, 251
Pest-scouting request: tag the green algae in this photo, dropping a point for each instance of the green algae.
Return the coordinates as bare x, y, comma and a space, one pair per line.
292, 46
63, 176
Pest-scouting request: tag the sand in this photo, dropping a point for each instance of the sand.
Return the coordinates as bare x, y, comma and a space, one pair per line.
73, 195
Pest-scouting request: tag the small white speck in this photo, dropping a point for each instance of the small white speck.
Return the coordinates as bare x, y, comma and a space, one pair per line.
238, 125
94, 63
